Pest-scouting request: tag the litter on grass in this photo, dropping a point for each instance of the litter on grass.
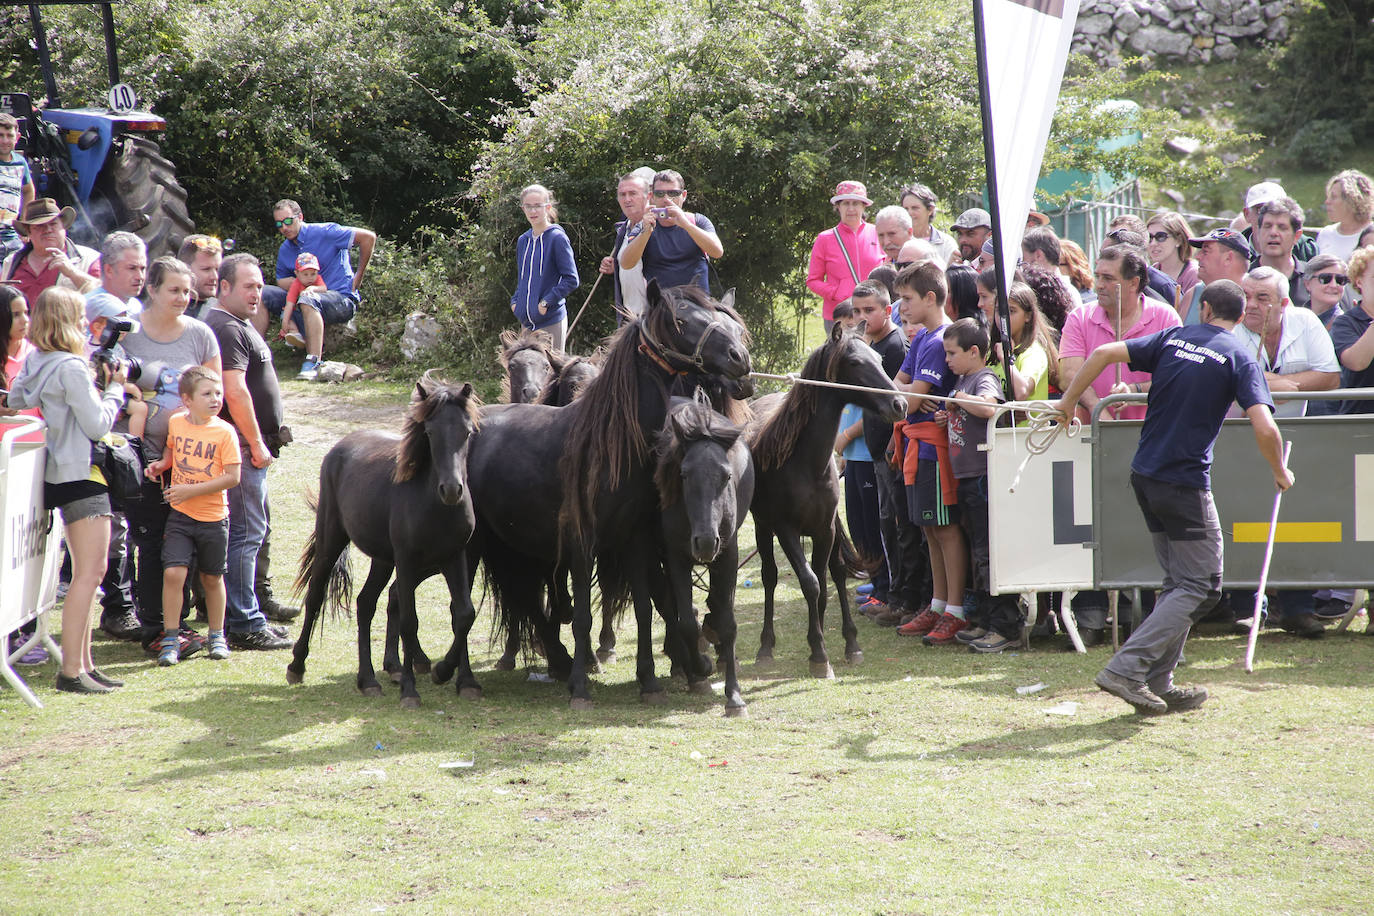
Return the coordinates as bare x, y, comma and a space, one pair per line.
455, 765
1066, 708
539, 677
1032, 688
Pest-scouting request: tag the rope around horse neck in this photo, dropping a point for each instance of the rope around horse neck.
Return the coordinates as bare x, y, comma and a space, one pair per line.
1042, 417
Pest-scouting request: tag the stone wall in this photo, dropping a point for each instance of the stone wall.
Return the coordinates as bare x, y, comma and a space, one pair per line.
1198, 31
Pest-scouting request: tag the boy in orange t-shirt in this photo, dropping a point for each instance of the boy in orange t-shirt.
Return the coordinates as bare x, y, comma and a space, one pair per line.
203, 455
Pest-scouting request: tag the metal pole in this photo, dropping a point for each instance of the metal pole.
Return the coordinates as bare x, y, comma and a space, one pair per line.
111, 50
40, 41
994, 208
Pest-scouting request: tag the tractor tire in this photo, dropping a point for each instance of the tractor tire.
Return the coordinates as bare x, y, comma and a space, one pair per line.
138, 192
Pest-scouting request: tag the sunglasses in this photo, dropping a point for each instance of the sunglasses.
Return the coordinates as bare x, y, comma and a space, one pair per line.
290, 220
1342, 279
673, 193
208, 243
1159, 236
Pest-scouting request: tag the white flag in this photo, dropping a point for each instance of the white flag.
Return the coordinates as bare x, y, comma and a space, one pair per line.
1027, 45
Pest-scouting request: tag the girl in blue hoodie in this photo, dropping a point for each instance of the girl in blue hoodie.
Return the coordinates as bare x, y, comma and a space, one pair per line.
547, 273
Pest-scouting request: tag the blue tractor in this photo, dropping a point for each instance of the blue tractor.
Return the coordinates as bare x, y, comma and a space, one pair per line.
101, 161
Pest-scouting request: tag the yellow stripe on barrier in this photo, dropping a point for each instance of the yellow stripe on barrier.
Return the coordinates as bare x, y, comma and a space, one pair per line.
1287, 532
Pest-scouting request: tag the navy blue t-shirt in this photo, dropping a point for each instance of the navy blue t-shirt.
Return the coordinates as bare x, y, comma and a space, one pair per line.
1196, 372
925, 362
673, 259
1346, 331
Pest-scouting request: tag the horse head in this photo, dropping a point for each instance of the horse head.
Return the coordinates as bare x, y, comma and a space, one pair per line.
688, 330
849, 360
438, 427
529, 359
700, 458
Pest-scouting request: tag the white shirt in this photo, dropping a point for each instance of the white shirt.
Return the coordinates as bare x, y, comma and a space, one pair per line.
1304, 345
1330, 241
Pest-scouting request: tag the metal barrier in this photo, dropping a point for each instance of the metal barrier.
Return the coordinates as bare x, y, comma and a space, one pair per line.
29, 547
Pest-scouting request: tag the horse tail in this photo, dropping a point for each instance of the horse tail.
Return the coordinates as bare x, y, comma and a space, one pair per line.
339, 596
514, 588
614, 583
851, 561
298, 587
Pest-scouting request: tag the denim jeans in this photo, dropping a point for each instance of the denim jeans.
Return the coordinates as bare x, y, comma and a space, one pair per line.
247, 527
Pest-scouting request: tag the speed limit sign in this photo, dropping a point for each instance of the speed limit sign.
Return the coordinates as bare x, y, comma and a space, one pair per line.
122, 99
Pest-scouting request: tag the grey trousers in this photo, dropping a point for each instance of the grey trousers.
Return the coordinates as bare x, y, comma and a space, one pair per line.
1187, 538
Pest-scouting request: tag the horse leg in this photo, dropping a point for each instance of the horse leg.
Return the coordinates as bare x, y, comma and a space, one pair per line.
812, 588
605, 650
852, 653
768, 572
391, 658
678, 567
462, 615
720, 600
579, 685
507, 660
377, 578
409, 623
650, 690
548, 629
330, 542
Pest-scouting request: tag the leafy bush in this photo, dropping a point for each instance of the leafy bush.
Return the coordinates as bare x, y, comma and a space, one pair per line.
1320, 145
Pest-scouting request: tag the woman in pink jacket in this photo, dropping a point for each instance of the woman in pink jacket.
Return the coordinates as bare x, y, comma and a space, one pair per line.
844, 255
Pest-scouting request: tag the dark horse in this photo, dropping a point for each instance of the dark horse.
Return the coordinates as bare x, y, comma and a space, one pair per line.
530, 361
404, 501
705, 481
797, 491
556, 488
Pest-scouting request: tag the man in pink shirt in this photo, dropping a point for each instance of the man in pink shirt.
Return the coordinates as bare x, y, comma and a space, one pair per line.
1119, 281
844, 255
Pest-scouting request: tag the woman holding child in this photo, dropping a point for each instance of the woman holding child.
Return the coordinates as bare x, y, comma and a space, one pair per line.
57, 379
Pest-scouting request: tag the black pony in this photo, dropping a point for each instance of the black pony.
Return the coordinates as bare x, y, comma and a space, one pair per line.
556, 488
404, 501
705, 482
530, 360
797, 490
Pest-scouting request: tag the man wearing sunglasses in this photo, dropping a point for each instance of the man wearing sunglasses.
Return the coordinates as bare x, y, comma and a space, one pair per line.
330, 243
672, 243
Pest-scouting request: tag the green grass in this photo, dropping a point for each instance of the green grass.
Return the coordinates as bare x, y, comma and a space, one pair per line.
919, 782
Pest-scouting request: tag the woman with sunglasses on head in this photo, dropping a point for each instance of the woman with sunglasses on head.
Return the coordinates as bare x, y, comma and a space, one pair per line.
1166, 241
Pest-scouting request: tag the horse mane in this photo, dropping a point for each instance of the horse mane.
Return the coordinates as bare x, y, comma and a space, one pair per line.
689, 423
412, 454
513, 342
778, 437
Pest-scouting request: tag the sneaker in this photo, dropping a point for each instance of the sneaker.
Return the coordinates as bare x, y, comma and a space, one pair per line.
309, 369
945, 630
35, 655
1242, 625
1137, 693
992, 643
294, 340
263, 640
872, 606
62, 589
889, 617
274, 610
219, 647
103, 679
122, 625
189, 642
1330, 609
969, 634
923, 623
1304, 625
1182, 699
168, 656
79, 684
865, 589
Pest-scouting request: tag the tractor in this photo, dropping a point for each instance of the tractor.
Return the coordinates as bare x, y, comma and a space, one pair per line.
101, 161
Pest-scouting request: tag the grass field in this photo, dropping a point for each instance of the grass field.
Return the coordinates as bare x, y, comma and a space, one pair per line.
920, 782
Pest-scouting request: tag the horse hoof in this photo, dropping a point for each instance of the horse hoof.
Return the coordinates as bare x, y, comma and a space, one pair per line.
822, 670
470, 693
854, 658
505, 664
708, 635
605, 656
294, 677
708, 667
763, 661
580, 704
410, 702
736, 712
395, 676
593, 666
440, 673
422, 666
701, 688
654, 698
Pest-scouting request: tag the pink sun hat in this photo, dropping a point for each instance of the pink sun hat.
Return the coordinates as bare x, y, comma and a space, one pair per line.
851, 190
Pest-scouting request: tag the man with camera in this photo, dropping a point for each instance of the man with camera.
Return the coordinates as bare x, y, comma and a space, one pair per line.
673, 244
252, 404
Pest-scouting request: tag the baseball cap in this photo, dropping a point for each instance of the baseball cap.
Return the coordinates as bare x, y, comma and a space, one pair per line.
101, 304
972, 218
1228, 237
307, 261
1262, 193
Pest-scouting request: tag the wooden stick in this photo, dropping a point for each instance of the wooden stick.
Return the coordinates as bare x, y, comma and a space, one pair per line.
1261, 602
595, 284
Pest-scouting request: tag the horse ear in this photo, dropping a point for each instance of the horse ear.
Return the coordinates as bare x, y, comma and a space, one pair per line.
421, 389
652, 294
728, 300
466, 391
863, 327
837, 332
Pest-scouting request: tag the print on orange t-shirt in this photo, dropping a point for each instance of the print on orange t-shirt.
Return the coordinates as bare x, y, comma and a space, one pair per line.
201, 453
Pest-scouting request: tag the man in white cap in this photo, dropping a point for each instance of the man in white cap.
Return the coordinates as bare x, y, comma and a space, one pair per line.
48, 257
971, 230
1256, 196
